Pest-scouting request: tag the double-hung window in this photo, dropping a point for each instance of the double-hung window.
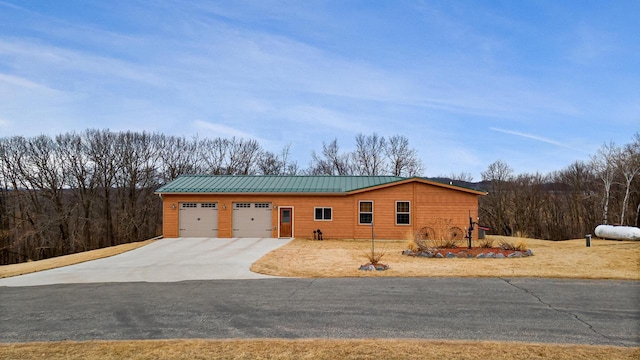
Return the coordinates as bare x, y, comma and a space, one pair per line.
403, 213
323, 214
365, 212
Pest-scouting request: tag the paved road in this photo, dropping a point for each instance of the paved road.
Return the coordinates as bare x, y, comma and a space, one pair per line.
165, 260
529, 310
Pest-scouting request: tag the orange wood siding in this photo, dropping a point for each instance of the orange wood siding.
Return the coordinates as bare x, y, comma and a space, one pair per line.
427, 202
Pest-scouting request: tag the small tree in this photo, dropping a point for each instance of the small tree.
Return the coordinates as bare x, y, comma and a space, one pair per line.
603, 162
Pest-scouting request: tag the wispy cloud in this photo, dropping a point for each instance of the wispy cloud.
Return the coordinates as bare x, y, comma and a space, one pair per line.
538, 138
22, 82
323, 118
312, 71
74, 64
12, 6
221, 130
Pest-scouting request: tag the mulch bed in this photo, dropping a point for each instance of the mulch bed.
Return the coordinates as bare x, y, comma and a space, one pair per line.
463, 252
371, 267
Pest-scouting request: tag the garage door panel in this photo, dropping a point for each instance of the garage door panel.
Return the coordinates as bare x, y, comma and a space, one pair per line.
252, 220
198, 219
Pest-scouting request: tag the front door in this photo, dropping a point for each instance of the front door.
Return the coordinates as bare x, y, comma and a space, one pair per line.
286, 219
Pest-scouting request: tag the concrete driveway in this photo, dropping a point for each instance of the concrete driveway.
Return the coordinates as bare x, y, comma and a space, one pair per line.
165, 260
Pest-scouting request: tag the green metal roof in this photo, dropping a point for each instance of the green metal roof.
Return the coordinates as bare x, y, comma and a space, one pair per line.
273, 184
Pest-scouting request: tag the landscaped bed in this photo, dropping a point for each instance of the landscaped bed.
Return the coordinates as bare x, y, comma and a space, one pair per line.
605, 259
474, 252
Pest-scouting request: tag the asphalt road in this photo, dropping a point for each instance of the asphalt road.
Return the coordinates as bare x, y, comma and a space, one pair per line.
528, 310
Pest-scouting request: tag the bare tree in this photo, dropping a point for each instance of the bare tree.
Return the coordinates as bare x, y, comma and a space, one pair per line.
461, 176
270, 163
403, 160
369, 155
577, 199
243, 156
136, 178
212, 154
628, 164
499, 174
103, 152
636, 149
81, 177
331, 162
177, 157
603, 163
288, 167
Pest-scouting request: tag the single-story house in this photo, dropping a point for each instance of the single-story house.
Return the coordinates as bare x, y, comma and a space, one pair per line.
229, 206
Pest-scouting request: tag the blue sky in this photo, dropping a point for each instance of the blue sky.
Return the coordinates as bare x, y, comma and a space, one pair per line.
537, 84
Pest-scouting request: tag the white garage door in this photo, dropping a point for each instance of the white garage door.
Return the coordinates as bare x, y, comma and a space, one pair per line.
252, 220
198, 219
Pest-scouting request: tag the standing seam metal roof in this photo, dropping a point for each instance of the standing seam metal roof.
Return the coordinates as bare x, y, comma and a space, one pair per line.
273, 184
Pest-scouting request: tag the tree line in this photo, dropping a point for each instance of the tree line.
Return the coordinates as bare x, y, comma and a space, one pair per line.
568, 203
82, 191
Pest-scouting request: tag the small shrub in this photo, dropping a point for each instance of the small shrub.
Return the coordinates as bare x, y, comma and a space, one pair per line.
521, 246
374, 257
506, 245
449, 243
411, 241
485, 243
411, 245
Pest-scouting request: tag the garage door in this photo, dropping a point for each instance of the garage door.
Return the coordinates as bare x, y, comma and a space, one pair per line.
198, 219
252, 220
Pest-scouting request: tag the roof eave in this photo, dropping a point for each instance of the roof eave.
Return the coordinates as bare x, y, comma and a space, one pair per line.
254, 193
453, 187
420, 180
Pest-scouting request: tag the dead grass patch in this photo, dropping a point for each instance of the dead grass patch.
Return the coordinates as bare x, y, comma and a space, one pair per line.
552, 259
60, 261
309, 349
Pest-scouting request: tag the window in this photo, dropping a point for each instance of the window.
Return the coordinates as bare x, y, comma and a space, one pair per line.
403, 213
286, 216
189, 205
262, 205
209, 205
242, 205
366, 212
323, 214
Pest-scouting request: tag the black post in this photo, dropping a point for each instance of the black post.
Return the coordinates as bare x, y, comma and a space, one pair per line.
373, 246
470, 230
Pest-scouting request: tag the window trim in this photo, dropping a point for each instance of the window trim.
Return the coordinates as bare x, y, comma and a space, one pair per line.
366, 212
323, 209
403, 212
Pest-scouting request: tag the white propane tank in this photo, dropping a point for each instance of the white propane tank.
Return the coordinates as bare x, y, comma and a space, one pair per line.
618, 232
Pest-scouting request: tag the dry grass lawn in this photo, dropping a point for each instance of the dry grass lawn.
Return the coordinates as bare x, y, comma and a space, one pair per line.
60, 261
309, 349
605, 259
